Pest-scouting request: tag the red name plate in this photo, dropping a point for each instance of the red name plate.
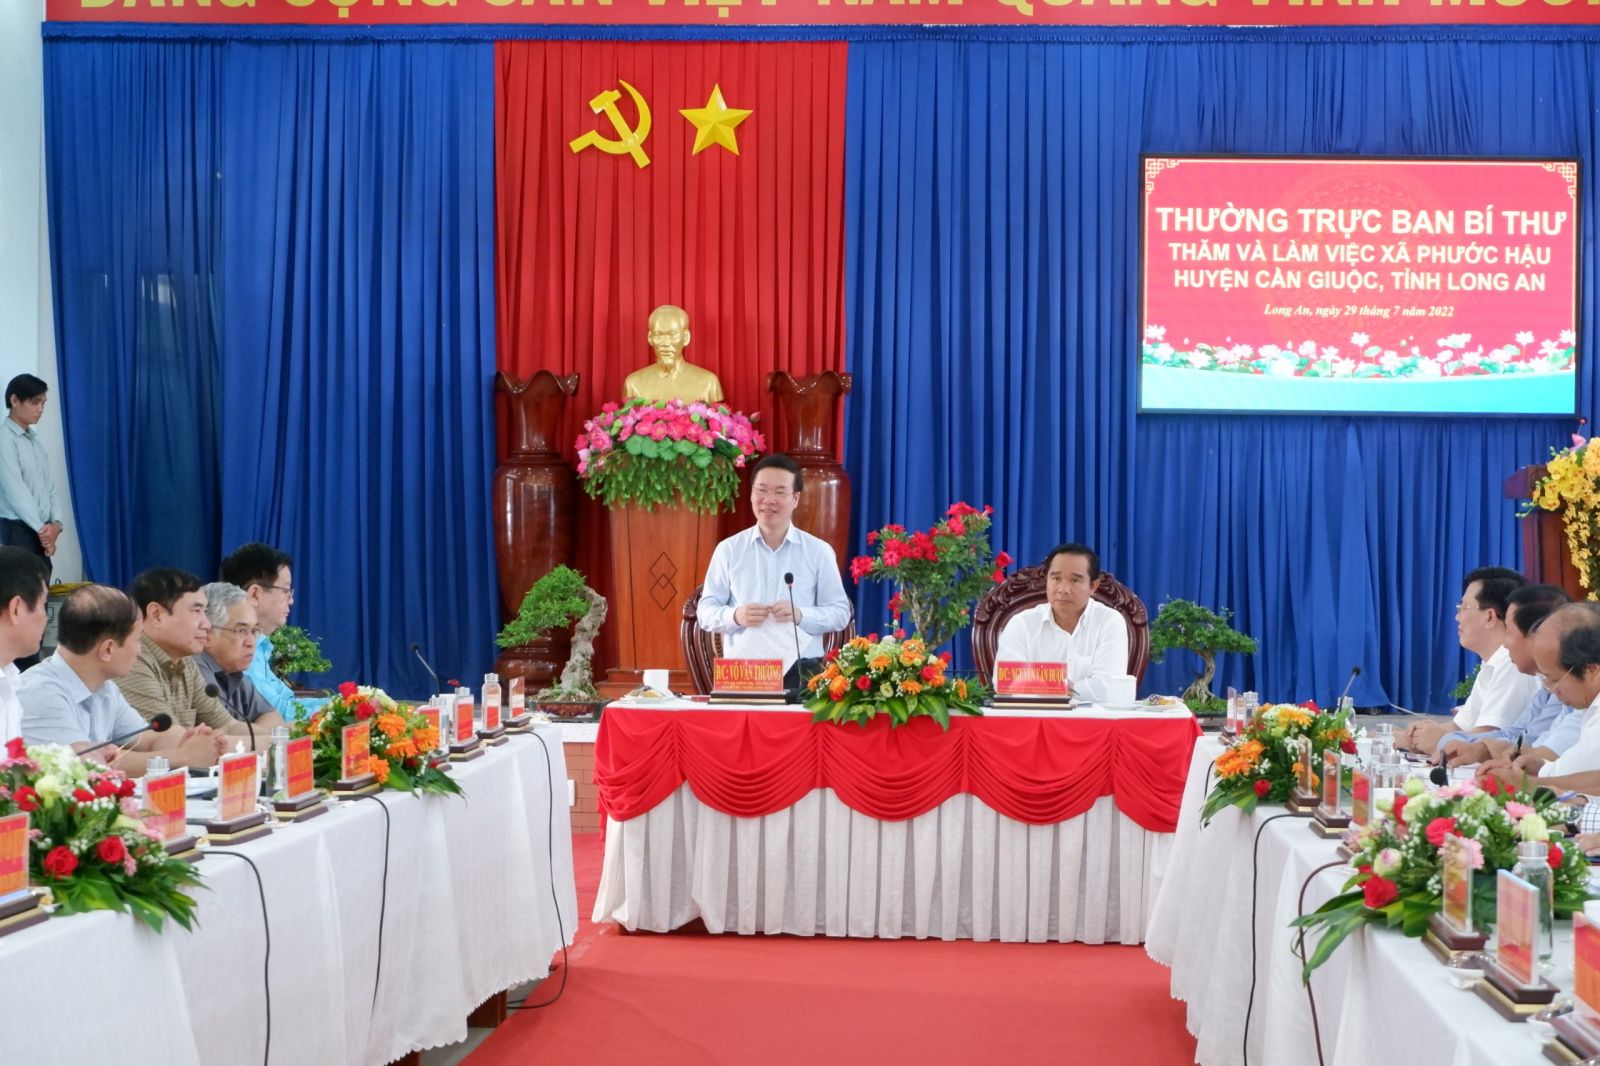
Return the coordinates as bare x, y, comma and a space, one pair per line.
1456, 883
240, 782
1360, 797
355, 750
491, 714
1586, 969
302, 778
464, 724
516, 698
13, 854
1030, 679
1330, 779
747, 675
1516, 904
167, 804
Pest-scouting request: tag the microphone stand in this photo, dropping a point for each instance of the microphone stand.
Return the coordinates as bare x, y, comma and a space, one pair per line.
416, 650
794, 622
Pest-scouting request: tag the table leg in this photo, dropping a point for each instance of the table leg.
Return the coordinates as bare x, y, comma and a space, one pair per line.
490, 1013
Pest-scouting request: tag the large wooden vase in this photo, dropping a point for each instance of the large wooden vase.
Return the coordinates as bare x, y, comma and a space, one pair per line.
657, 558
535, 508
1546, 558
811, 408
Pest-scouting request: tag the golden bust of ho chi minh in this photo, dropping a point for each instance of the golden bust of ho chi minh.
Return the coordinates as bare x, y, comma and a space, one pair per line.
670, 377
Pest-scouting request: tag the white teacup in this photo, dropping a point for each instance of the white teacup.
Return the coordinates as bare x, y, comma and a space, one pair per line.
657, 679
1122, 688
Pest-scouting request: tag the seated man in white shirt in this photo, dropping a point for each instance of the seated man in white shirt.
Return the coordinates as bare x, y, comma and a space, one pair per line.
70, 699
1071, 626
24, 587
745, 597
1501, 691
1567, 651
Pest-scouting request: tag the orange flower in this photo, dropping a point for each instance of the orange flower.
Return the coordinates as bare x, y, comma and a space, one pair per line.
879, 662
838, 686
916, 647
379, 767
909, 657
860, 642
391, 725
314, 727
910, 688
425, 737
1239, 759
403, 748
961, 688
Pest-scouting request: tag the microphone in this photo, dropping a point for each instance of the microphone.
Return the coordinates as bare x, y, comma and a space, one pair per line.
416, 649
159, 724
216, 693
1355, 672
794, 621
1440, 775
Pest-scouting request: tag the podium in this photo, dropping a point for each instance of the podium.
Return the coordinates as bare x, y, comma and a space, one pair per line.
1546, 559
658, 556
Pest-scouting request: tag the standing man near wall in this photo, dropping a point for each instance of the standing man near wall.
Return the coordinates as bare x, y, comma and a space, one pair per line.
30, 508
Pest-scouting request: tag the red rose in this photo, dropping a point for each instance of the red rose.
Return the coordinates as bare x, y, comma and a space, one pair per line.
899, 634
930, 672
1399, 812
126, 789
15, 749
1379, 891
1003, 560
60, 862
1262, 787
956, 525
1555, 856
365, 710
1440, 828
105, 786
832, 655
27, 799
872, 538
1311, 705
347, 690
944, 657
1491, 785
112, 850
863, 682
1347, 746
860, 567
82, 795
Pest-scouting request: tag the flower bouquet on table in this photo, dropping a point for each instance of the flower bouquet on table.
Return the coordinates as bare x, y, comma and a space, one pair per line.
1262, 764
941, 572
401, 740
1399, 860
649, 452
895, 677
89, 846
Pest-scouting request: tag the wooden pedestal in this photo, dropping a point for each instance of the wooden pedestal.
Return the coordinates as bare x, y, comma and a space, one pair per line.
1545, 556
657, 558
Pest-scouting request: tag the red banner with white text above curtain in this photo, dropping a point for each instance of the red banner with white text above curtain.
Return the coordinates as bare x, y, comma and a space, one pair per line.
706, 175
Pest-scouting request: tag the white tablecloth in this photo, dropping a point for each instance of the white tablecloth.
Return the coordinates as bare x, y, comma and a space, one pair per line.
469, 913
959, 871
1381, 998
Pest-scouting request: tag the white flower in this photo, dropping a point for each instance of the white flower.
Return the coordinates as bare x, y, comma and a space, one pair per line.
1329, 352
1567, 336
1429, 369
1358, 339
1444, 356
1344, 367
1389, 360
1242, 351
1283, 368
1308, 348
1472, 358
1548, 348
1533, 828
1524, 337
1155, 333
1199, 360
1163, 350
1228, 356
1269, 351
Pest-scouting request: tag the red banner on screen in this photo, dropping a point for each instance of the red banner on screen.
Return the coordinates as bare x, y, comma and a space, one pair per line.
832, 12
1360, 269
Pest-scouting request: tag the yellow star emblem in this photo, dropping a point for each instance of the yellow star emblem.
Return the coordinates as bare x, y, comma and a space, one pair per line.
715, 123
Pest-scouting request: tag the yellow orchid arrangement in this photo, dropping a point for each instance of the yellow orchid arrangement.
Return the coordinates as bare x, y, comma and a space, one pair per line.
1571, 484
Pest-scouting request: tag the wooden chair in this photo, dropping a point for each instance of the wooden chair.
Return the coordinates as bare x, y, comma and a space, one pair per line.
1026, 588
701, 648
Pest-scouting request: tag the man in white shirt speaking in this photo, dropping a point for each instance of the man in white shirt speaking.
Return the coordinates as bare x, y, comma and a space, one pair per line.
746, 598
1071, 626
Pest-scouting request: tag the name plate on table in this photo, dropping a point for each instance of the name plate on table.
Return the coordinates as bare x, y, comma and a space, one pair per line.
492, 732
1451, 932
1579, 1032
19, 907
434, 717
1360, 796
166, 802
1511, 983
1304, 799
464, 732
300, 799
1330, 819
747, 677
1030, 679
355, 756
237, 818
517, 706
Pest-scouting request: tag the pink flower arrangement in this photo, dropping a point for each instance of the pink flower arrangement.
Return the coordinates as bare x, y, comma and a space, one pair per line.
647, 453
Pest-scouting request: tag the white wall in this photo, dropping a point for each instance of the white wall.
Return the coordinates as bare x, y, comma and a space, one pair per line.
27, 331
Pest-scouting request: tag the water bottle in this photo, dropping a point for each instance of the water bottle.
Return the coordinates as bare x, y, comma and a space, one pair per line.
1533, 866
279, 785
491, 701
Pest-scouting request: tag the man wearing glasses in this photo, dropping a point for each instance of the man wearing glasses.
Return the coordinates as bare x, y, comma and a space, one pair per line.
1567, 651
230, 648
745, 597
1501, 691
266, 576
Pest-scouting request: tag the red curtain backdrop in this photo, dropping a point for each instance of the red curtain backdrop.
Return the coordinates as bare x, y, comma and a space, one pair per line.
1034, 770
588, 243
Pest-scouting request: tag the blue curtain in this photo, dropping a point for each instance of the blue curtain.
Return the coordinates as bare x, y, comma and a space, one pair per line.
131, 142
992, 294
338, 199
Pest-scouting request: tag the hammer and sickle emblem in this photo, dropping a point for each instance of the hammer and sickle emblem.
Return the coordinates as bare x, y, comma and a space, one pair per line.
630, 140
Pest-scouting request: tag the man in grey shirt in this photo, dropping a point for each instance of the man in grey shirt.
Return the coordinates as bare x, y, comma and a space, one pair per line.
69, 698
230, 646
30, 507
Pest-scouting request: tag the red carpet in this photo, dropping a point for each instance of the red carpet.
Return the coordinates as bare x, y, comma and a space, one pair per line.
700, 999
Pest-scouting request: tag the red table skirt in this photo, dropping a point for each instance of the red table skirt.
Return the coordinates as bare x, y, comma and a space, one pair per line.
754, 763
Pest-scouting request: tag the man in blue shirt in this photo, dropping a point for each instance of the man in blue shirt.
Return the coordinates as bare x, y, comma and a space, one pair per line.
745, 597
1546, 725
267, 577
30, 506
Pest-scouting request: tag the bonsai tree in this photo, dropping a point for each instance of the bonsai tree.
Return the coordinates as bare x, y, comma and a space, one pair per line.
556, 601
1181, 624
294, 651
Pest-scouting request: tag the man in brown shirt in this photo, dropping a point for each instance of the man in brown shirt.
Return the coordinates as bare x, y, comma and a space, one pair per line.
165, 677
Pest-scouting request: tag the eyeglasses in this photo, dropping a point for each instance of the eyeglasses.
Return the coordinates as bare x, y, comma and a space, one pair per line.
1551, 683
771, 494
1465, 606
241, 630
287, 590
